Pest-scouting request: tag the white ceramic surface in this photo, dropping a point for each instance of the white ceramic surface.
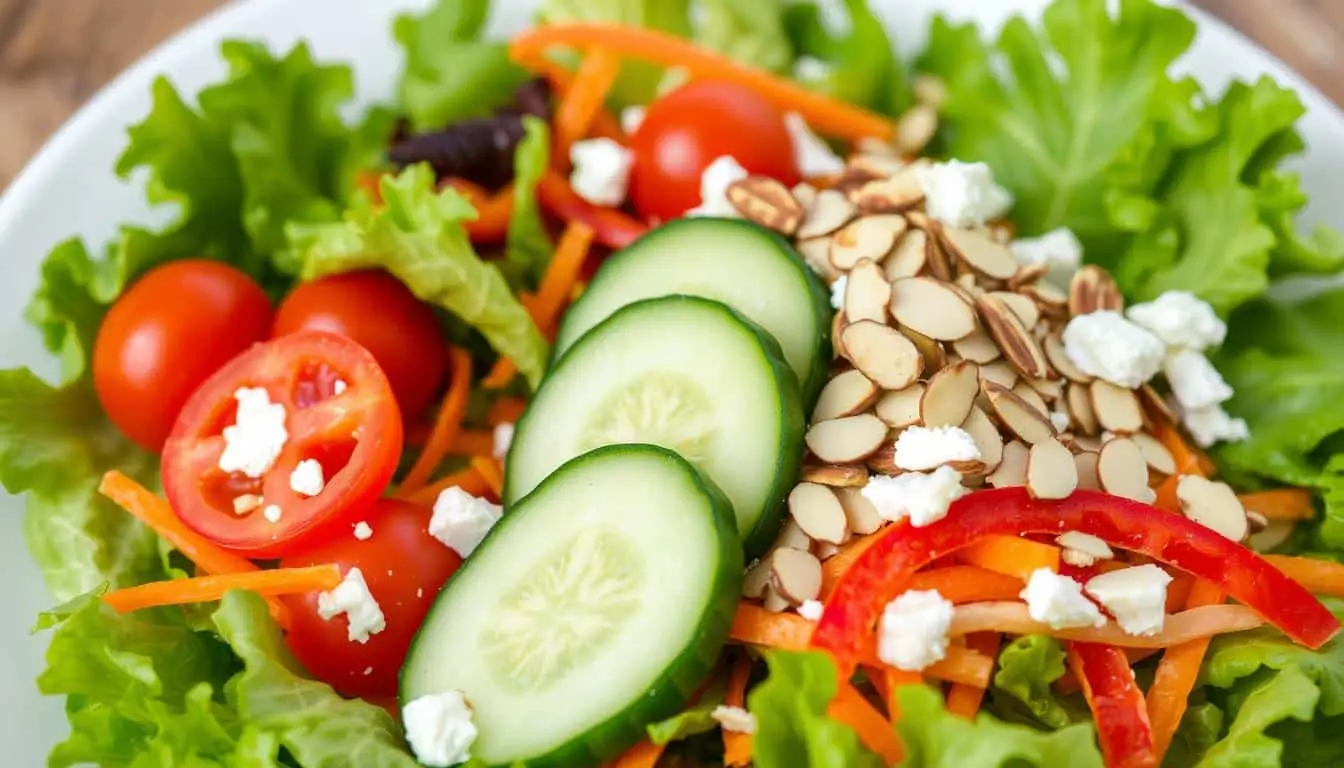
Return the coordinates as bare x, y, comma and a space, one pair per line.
69, 189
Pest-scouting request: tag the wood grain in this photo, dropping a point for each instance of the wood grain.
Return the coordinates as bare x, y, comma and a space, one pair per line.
55, 53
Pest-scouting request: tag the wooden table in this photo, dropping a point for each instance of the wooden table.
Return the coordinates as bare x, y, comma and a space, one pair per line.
55, 53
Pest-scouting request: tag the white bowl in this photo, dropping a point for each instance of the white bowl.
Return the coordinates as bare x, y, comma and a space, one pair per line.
70, 189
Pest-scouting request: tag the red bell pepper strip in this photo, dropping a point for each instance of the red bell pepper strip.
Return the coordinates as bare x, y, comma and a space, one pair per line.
1117, 705
611, 227
885, 568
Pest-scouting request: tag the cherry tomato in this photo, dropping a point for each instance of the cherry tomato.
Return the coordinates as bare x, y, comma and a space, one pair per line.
404, 568
170, 330
686, 130
338, 411
380, 313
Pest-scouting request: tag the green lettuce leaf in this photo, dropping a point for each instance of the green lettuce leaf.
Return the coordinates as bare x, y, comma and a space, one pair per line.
1234, 657
527, 246
792, 728
746, 30
1280, 198
1028, 667
417, 236
695, 719
862, 66
1200, 729
1289, 694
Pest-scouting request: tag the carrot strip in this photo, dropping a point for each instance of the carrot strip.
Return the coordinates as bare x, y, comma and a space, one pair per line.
737, 747
1011, 555
838, 564
960, 584
645, 754
579, 106
874, 730
488, 469
447, 425
827, 115
896, 679
1320, 576
561, 274
500, 374
1190, 624
473, 442
370, 181
467, 479
1178, 591
493, 210
877, 678
506, 409
1280, 503
203, 589
964, 700
1176, 675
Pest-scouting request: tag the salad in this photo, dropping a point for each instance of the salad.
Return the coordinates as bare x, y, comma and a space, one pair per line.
690, 384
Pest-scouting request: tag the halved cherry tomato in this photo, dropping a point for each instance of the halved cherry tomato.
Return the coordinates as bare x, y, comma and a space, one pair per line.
686, 130
404, 568
381, 314
354, 434
170, 330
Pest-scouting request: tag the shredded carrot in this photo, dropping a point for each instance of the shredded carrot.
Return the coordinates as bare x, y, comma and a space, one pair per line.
968, 584
467, 479
604, 125
1011, 555
1322, 577
1176, 675
473, 442
1189, 461
1280, 503
506, 409
876, 678
1166, 495
488, 469
500, 374
964, 700
370, 181
561, 274
1178, 591
827, 115
645, 754
493, 210
203, 589
894, 680
874, 730
580, 104
447, 425
1190, 624
838, 564
737, 747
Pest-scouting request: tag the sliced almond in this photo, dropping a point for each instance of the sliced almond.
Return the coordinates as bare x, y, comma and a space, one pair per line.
825, 550
999, 372
862, 516
1091, 290
930, 90
1213, 505
890, 194
987, 438
915, 128
1025, 309
870, 237
950, 395
795, 574
980, 253
1006, 328
1155, 453
883, 354
1274, 534
871, 145
966, 294
883, 460
791, 535
932, 352
900, 409
907, 257
1031, 396
879, 164
845, 395
1117, 408
767, 202
867, 293
774, 602
939, 263
805, 194
1154, 407
828, 213
816, 254
931, 308
818, 512
1086, 464
1122, 471
1027, 275
1054, 353
847, 439
1051, 473
977, 347
1012, 470
756, 579
1050, 390
1256, 522
1023, 420
1081, 416
838, 326
836, 475
1051, 300
1088, 443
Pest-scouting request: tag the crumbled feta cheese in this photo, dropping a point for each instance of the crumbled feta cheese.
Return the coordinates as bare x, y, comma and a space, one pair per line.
307, 478
810, 69
962, 194
339, 386
272, 513
246, 503
1060, 421
1212, 425
813, 156
1136, 597
913, 631
439, 728
503, 438
1058, 249
1059, 602
922, 497
601, 172
811, 610
714, 183
1194, 381
363, 531
1106, 345
257, 436
1180, 319
734, 719
1082, 549
352, 597
631, 119
838, 287
922, 448
461, 520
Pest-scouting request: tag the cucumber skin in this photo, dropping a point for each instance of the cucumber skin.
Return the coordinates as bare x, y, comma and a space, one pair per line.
791, 427
671, 691
818, 292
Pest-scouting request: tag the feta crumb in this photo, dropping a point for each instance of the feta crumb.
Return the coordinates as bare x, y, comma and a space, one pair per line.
1180, 319
1060, 421
1136, 597
461, 520
601, 172
257, 436
246, 503
922, 497
714, 183
734, 719
307, 478
811, 610
352, 597
810, 69
339, 386
1058, 249
962, 194
1194, 381
272, 513
631, 119
1212, 425
838, 287
913, 631
1106, 345
811, 153
1059, 602
922, 448
1083, 549
439, 728
503, 438
363, 531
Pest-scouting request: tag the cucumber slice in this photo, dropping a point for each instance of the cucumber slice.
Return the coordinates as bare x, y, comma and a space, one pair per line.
747, 267
595, 607
685, 373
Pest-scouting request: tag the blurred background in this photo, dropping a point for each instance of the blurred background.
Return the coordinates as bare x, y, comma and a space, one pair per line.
54, 54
